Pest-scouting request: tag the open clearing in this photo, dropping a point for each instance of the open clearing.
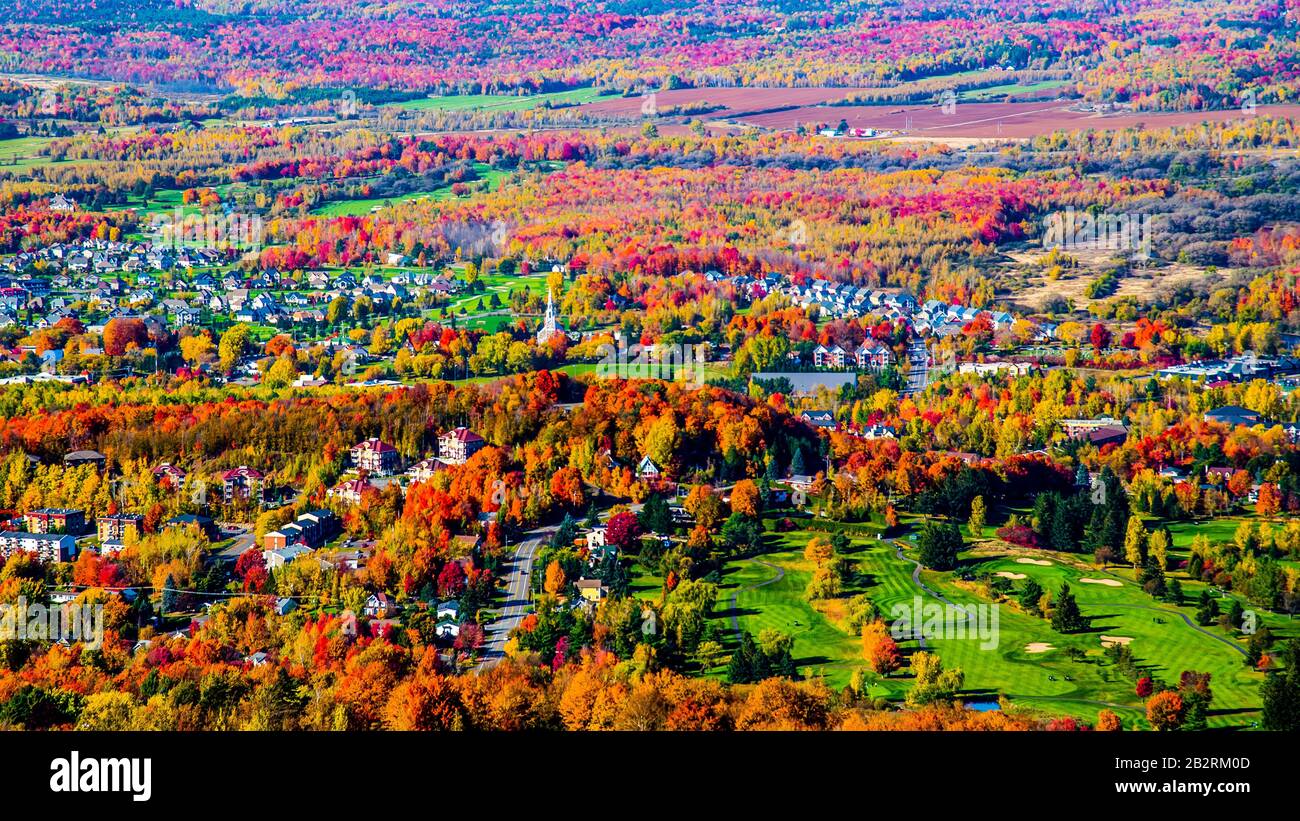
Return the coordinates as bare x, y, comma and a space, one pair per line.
990, 120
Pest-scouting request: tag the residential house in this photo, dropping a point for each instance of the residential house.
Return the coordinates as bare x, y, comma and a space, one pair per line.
375, 457
56, 520
878, 431
379, 606
48, 547
832, 357
243, 483
350, 491
873, 355
170, 475
447, 629
593, 590
115, 528
647, 469
457, 445
423, 470
182, 313
278, 558
312, 529
819, 418
84, 457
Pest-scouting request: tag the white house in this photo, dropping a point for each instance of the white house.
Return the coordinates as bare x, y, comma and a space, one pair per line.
647, 469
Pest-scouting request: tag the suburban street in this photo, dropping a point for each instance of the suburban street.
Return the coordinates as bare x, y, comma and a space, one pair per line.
518, 571
918, 376
244, 539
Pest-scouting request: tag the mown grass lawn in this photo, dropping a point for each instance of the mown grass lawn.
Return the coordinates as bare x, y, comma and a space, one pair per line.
486, 175
768, 591
499, 102
1162, 643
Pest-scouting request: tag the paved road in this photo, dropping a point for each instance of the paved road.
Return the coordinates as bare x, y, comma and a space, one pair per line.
518, 570
517, 604
244, 539
919, 375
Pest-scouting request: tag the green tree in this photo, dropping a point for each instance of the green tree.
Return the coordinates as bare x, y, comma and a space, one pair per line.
933, 682
797, 467
1066, 617
170, 598
975, 524
939, 543
655, 515
1030, 596
1281, 693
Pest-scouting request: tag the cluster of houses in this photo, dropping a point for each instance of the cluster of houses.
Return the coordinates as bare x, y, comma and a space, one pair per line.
51, 533
376, 458
90, 272
307, 533
870, 355
825, 420
102, 256
933, 318
844, 300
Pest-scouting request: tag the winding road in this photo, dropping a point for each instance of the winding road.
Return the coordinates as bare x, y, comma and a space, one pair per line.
518, 571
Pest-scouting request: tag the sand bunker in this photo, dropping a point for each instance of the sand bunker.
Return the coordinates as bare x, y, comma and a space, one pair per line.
1007, 574
1038, 647
1107, 641
1107, 582
1039, 562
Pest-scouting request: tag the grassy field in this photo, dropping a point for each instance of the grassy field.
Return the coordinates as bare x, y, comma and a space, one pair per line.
486, 175
499, 102
1162, 642
1073, 677
22, 153
979, 95
767, 592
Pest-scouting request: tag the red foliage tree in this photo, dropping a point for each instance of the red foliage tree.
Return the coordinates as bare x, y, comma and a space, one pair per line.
622, 530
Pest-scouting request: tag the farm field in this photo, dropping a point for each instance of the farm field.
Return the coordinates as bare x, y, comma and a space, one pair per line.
988, 120
23, 153
500, 102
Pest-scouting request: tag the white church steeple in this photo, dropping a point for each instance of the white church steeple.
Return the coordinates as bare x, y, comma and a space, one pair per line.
549, 328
